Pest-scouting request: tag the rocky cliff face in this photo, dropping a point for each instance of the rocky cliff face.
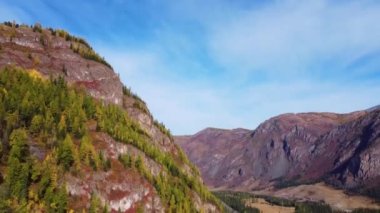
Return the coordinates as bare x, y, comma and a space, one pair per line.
53, 56
350, 153
54, 53
219, 154
341, 149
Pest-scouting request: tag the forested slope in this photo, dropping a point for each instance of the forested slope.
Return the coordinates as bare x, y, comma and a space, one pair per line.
69, 146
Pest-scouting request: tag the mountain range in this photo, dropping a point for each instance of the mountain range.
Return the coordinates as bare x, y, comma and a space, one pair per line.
341, 150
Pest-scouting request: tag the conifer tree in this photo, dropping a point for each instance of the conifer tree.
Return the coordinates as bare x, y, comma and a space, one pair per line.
65, 153
95, 204
18, 168
36, 124
62, 127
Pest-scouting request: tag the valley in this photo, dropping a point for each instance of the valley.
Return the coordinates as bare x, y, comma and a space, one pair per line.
306, 157
320, 192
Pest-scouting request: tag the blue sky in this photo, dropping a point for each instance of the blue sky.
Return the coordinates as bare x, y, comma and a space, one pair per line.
228, 63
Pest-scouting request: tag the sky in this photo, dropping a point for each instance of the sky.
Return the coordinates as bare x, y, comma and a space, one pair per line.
227, 63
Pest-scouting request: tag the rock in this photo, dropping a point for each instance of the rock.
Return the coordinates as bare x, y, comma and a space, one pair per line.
26, 50
296, 148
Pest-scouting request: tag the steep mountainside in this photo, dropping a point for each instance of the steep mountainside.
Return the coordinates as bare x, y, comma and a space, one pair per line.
62, 149
290, 149
217, 153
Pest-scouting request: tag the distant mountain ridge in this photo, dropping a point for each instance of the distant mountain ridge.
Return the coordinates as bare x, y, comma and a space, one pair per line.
291, 149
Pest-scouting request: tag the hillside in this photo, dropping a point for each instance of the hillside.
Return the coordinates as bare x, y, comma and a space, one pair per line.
292, 149
214, 152
74, 138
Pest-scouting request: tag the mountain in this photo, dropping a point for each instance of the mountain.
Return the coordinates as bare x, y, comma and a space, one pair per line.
214, 152
73, 137
342, 150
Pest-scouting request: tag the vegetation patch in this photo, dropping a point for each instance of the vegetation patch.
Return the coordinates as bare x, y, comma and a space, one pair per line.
52, 116
238, 202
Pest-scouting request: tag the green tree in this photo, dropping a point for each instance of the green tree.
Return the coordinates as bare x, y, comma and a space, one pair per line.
139, 163
87, 152
172, 204
62, 127
95, 204
105, 162
19, 147
89, 106
61, 200
49, 121
18, 168
12, 121
36, 124
65, 153
17, 178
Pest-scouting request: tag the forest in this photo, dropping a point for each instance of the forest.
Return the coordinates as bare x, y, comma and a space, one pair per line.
47, 113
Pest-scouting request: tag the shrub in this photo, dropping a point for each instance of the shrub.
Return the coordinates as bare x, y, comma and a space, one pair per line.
37, 28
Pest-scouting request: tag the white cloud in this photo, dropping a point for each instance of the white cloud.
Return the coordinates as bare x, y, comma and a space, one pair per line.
288, 41
293, 36
187, 106
218, 63
183, 105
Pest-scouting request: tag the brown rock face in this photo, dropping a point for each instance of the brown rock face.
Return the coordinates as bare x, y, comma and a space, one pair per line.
52, 56
350, 153
342, 149
219, 154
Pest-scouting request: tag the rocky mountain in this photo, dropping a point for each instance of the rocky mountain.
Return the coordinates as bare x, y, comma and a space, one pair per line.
88, 142
291, 149
217, 153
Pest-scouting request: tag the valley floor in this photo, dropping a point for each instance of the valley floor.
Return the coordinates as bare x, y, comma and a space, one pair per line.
263, 206
317, 197
321, 192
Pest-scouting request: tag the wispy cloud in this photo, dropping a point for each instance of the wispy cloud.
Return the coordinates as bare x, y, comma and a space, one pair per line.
228, 63
292, 37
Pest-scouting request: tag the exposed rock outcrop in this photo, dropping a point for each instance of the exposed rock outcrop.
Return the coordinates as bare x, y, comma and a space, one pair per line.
53, 56
341, 149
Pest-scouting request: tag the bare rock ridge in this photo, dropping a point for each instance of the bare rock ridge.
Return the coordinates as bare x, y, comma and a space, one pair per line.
54, 53
291, 149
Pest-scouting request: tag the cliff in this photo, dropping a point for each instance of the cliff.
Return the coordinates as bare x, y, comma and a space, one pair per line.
292, 149
144, 169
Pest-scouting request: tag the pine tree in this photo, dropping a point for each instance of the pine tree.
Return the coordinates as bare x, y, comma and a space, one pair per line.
65, 153
62, 127
172, 204
95, 205
49, 121
36, 124
139, 164
19, 147
87, 153
61, 200
18, 173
